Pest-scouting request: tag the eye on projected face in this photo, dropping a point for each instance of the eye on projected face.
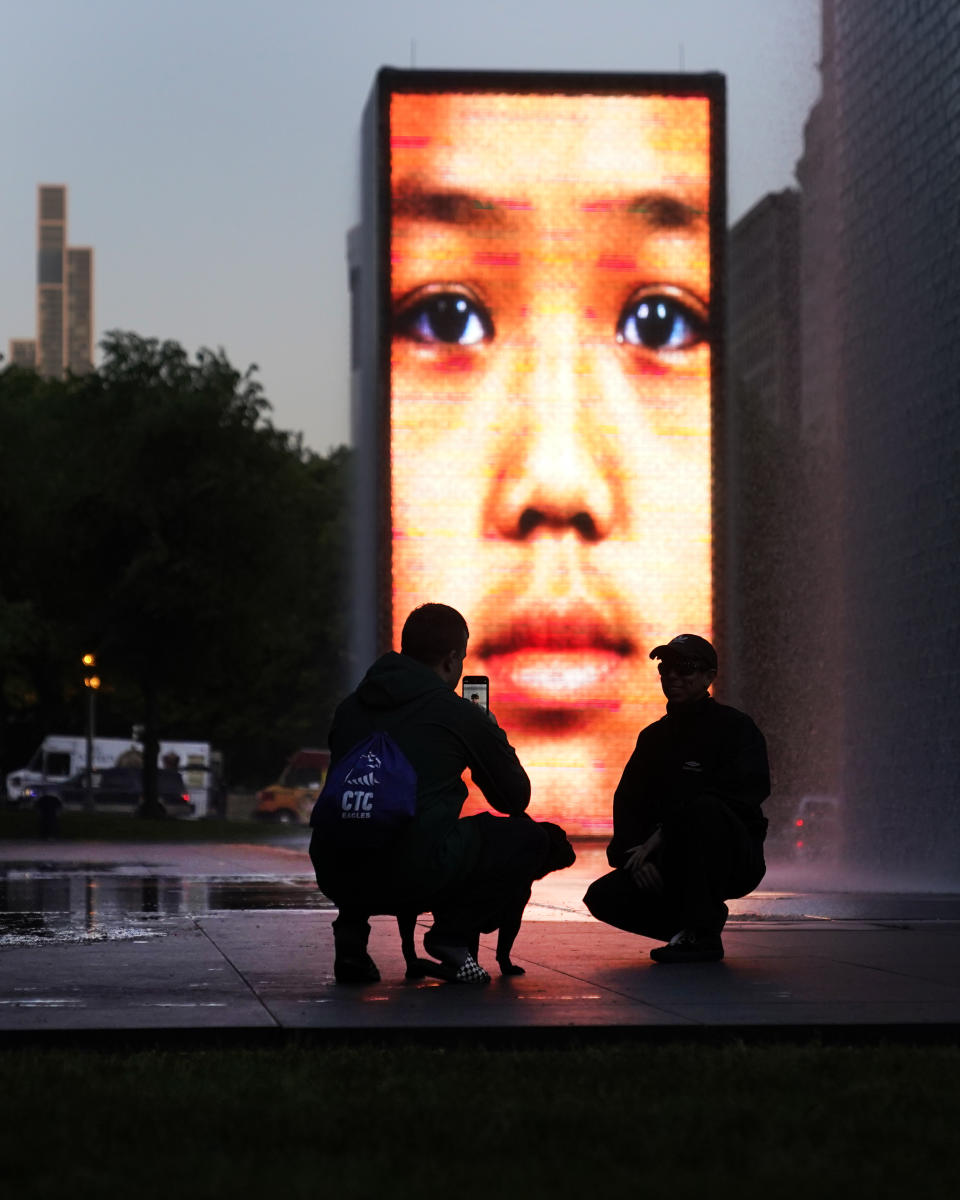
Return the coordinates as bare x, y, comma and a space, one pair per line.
550, 406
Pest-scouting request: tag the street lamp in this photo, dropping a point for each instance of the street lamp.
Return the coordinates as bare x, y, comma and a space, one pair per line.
91, 682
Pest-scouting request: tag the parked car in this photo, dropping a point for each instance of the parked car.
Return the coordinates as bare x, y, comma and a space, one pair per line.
59, 757
115, 789
291, 798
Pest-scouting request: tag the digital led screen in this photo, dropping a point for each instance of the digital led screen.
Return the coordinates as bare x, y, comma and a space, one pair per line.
550, 392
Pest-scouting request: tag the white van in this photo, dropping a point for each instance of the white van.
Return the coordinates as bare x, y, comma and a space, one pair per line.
59, 757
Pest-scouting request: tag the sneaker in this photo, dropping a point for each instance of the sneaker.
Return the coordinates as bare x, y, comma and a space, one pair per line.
470, 971
689, 946
456, 963
355, 968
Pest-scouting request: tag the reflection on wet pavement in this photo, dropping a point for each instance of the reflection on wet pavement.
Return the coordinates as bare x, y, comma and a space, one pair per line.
34, 929
880, 907
80, 901
86, 902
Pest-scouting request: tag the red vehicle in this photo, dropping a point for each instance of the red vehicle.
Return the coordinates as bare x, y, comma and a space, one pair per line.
290, 799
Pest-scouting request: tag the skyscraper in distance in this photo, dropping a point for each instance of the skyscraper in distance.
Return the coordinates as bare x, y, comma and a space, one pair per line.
64, 300
79, 309
22, 352
51, 270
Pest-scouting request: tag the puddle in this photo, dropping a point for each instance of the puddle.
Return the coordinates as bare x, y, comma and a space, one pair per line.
46, 902
37, 929
42, 903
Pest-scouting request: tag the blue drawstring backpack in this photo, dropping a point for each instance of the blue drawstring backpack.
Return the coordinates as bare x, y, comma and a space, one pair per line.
368, 796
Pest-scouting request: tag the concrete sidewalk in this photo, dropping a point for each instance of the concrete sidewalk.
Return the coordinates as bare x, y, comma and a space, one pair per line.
858, 964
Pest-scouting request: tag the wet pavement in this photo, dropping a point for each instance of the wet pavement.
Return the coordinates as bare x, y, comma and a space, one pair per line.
58, 894
236, 937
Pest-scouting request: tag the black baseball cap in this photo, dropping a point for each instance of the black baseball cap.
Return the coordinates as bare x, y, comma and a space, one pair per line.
688, 645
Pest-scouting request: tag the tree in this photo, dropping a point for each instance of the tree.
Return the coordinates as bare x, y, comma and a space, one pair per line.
194, 547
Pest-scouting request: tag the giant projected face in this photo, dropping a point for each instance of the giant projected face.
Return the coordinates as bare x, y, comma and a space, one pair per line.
550, 407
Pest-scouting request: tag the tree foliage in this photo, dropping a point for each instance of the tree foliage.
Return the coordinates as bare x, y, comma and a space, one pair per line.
151, 513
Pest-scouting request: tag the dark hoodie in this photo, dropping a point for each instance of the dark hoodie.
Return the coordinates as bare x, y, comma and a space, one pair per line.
700, 748
441, 734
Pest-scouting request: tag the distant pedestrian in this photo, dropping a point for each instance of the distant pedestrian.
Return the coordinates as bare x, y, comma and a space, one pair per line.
48, 810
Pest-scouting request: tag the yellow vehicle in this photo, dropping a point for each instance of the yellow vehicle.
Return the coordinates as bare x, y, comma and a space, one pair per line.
290, 800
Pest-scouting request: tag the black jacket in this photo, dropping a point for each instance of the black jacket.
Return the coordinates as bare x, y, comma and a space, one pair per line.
441, 734
699, 748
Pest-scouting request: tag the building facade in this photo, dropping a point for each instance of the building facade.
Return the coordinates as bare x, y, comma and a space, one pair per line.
51, 278
22, 352
762, 487
64, 300
78, 309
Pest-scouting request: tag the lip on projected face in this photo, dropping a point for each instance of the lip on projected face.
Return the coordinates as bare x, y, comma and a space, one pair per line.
557, 660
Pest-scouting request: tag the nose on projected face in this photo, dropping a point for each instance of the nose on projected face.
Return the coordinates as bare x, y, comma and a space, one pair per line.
551, 481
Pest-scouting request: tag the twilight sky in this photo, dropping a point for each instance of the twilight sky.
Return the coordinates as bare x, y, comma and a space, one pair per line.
211, 146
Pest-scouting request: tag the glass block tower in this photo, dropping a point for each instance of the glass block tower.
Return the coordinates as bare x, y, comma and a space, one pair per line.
881, 364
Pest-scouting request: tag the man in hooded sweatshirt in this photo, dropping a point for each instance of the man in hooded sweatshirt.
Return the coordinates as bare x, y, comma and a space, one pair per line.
470, 873
688, 830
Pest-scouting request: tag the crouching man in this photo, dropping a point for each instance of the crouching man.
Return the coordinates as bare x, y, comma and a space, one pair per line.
474, 875
688, 830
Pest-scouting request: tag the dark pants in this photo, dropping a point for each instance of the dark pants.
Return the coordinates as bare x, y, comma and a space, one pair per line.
513, 853
707, 856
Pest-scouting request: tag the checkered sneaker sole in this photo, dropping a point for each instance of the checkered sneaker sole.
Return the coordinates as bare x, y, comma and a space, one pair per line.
471, 972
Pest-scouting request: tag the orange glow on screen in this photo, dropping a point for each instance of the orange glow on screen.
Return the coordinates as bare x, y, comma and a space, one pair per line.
550, 403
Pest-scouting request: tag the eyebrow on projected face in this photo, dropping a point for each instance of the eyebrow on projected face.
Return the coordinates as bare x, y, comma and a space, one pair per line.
658, 209
450, 208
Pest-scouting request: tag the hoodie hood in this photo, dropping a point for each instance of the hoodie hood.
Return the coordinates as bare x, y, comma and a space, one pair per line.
395, 680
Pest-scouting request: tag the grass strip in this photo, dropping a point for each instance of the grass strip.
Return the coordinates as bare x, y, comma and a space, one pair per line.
351, 1123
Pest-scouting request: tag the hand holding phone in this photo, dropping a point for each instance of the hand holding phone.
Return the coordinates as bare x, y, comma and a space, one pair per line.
476, 689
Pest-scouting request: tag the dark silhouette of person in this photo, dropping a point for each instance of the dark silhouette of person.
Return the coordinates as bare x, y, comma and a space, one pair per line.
688, 828
472, 874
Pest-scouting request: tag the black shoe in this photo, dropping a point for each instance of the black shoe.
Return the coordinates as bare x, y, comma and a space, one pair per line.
355, 968
688, 946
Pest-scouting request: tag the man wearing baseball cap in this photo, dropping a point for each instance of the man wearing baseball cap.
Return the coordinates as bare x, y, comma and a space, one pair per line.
688, 828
